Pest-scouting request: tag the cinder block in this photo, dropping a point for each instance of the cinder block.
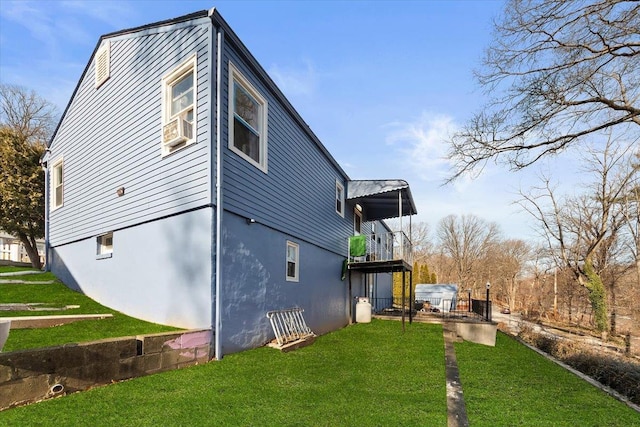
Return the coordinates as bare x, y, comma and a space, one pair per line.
102, 371
6, 373
154, 343
131, 367
195, 339
24, 390
151, 362
172, 358
112, 349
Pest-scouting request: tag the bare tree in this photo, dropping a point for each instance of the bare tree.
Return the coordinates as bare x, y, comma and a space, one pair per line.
466, 240
507, 261
27, 114
558, 72
583, 232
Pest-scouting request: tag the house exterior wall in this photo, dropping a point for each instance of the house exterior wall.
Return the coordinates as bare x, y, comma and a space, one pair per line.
110, 137
163, 265
297, 193
254, 282
159, 271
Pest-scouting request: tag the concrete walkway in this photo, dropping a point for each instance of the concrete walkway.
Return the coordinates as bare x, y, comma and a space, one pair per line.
456, 409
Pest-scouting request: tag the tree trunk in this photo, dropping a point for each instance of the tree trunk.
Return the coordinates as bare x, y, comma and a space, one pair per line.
30, 246
612, 328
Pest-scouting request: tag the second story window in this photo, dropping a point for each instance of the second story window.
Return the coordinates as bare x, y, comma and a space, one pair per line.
179, 107
339, 199
357, 220
247, 120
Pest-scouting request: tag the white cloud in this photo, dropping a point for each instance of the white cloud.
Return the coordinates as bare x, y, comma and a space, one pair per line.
422, 142
295, 81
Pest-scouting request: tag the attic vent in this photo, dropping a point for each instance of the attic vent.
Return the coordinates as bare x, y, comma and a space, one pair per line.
102, 64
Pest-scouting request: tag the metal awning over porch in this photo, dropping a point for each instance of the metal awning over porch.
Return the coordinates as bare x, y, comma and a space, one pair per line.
382, 198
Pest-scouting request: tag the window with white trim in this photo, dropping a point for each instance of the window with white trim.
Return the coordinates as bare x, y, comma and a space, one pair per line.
102, 64
179, 89
293, 252
247, 120
357, 220
339, 199
57, 184
105, 245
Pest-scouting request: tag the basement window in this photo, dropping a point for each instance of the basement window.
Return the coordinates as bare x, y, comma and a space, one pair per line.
105, 246
293, 252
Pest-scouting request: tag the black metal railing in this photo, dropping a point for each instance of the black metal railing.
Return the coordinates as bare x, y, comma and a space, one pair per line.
482, 308
445, 308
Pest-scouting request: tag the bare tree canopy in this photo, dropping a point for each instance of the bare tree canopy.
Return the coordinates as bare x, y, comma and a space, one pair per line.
557, 72
466, 240
27, 114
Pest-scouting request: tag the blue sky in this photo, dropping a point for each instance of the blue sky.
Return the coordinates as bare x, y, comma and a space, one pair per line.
380, 83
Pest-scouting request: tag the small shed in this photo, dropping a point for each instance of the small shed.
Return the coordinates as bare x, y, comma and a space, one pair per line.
441, 296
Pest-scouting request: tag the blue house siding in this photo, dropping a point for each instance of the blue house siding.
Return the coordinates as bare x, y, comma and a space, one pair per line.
254, 282
297, 194
159, 271
111, 137
164, 260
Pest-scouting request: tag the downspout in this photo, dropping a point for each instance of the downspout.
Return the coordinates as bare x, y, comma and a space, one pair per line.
44, 162
219, 209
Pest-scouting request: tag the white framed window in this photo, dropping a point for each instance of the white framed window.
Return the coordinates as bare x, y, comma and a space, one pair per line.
179, 89
339, 199
293, 253
104, 245
57, 184
247, 120
357, 220
102, 64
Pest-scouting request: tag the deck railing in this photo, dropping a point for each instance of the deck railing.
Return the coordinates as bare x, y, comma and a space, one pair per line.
389, 246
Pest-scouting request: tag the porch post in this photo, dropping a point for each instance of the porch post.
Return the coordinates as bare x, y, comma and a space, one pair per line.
404, 293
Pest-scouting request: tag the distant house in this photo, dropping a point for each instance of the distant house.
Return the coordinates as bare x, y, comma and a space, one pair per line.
183, 188
13, 251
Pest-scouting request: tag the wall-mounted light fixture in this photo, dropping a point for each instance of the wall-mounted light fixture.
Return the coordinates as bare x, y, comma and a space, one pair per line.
120, 191
250, 221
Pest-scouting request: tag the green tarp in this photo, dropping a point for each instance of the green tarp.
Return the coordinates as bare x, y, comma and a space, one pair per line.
358, 245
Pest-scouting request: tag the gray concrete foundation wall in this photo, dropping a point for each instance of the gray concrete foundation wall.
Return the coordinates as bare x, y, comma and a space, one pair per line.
32, 375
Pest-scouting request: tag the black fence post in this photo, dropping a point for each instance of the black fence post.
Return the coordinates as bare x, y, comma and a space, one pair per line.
488, 307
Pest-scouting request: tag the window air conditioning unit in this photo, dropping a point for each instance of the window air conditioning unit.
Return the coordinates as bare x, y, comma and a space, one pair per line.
176, 132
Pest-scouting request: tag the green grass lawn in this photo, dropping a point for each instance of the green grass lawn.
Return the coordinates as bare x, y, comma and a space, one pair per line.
363, 375
511, 385
58, 295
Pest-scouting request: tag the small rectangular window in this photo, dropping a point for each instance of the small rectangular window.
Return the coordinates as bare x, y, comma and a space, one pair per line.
292, 262
357, 220
105, 245
179, 107
247, 120
102, 64
339, 199
57, 184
